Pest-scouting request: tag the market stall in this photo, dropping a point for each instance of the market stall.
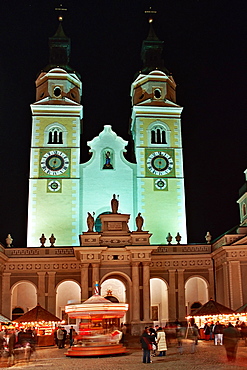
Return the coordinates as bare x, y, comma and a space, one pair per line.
98, 329
211, 312
44, 323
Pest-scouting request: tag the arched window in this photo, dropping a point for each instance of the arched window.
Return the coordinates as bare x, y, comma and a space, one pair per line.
159, 133
55, 136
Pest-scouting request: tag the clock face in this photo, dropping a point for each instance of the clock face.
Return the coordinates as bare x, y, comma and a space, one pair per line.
159, 163
54, 186
54, 162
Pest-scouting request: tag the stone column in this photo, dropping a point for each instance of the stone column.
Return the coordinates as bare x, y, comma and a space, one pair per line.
95, 275
211, 283
84, 281
135, 292
51, 292
6, 296
146, 291
236, 292
181, 295
172, 311
41, 288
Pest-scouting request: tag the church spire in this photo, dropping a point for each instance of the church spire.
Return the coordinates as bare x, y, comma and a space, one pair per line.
59, 46
152, 49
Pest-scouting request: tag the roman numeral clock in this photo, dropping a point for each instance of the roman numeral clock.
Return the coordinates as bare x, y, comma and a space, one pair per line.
161, 164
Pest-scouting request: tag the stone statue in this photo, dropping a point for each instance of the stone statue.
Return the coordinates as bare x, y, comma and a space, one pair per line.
9, 240
114, 204
90, 222
42, 240
178, 238
139, 222
52, 240
208, 237
169, 238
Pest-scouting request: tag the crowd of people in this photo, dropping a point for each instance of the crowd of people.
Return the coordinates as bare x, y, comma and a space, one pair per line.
154, 340
13, 342
63, 338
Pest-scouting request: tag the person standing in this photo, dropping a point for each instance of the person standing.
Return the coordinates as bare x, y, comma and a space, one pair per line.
161, 342
60, 337
231, 337
146, 346
71, 336
218, 333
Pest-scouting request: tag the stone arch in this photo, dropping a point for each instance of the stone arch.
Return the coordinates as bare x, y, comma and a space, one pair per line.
23, 295
126, 281
196, 291
159, 301
67, 291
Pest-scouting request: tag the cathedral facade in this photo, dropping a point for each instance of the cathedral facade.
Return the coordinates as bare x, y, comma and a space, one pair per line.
110, 220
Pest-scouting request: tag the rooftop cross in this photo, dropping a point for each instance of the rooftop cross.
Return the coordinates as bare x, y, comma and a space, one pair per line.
151, 13
60, 11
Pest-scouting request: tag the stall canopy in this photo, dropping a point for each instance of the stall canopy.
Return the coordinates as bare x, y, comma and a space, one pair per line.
242, 309
212, 308
37, 314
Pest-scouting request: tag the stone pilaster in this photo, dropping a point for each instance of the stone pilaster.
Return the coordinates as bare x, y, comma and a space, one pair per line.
41, 288
51, 292
84, 281
172, 311
236, 292
135, 292
225, 285
95, 274
181, 295
146, 291
211, 283
6, 296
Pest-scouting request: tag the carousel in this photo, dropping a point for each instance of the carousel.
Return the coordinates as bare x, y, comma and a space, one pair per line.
98, 329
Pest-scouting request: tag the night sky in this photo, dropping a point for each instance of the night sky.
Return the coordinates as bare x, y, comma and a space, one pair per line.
205, 49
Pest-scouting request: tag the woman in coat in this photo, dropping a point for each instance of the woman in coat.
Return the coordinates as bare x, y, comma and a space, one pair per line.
161, 342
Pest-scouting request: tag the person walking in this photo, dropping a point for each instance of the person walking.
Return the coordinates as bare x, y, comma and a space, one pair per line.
231, 337
180, 336
161, 342
146, 346
194, 337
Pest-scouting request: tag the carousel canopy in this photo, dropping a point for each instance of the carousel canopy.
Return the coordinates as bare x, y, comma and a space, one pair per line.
242, 309
37, 314
212, 308
97, 306
4, 320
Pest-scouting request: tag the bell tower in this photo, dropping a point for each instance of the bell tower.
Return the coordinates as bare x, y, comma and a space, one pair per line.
156, 132
55, 149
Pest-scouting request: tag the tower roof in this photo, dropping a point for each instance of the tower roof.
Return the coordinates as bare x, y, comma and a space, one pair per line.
151, 52
59, 46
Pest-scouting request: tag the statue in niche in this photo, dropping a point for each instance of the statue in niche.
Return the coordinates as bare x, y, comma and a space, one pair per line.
9, 240
139, 222
52, 240
114, 204
90, 222
42, 240
107, 165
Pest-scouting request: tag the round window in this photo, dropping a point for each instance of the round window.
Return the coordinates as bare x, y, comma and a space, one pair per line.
57, 91
157, 93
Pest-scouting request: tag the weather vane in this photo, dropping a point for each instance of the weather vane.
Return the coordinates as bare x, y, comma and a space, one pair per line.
151, 13
60, 11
